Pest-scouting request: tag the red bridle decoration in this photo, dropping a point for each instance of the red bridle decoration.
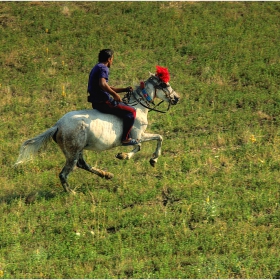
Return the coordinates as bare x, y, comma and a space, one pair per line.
163, 74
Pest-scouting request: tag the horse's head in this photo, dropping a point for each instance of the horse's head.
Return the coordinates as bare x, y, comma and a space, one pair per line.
157, 86
160, 89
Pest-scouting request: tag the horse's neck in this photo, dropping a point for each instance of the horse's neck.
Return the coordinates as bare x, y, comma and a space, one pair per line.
143, 100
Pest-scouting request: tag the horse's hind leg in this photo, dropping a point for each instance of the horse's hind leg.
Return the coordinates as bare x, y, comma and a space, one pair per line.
63, 175
82, 164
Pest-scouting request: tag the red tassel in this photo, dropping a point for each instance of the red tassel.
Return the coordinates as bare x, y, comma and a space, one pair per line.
163, 74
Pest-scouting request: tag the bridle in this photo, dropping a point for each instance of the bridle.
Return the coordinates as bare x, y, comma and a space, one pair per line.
140, 99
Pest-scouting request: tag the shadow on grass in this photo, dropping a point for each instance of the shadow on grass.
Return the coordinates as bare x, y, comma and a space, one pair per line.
28, 198
277, 275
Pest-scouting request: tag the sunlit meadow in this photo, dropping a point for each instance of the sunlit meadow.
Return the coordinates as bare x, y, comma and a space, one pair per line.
210, 207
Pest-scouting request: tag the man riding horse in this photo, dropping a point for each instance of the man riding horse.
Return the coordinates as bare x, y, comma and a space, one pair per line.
92, 130
106, 99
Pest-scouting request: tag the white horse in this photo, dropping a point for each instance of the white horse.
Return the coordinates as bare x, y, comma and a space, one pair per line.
92, 130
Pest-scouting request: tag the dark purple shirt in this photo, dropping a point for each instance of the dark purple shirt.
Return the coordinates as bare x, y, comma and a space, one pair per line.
96, 93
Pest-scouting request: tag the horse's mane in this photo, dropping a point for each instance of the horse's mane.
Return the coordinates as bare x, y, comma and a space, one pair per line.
163, 74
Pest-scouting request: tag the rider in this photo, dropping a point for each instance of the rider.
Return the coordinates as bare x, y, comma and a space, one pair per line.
106, 99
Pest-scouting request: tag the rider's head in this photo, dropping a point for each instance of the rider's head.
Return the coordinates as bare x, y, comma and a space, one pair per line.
106, 56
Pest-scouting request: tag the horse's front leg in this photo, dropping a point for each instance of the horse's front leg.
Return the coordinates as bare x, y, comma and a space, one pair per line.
130, 154
145, 138
149, 137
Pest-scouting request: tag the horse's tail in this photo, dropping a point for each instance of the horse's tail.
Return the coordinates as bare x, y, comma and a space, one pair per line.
31, 147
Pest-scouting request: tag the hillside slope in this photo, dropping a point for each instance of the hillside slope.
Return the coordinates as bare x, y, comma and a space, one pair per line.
210, 208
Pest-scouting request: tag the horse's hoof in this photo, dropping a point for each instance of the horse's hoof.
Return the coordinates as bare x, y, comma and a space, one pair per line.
109, 175
66, 187
122, 156
72, 192
152, 162
69, 191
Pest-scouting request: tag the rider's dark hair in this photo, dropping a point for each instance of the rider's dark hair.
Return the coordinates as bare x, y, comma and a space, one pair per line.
105, 54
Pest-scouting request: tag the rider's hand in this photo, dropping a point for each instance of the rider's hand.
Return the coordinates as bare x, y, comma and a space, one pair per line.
117, 98
129, 89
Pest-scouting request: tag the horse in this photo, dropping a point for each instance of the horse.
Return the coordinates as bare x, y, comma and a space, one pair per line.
92, 130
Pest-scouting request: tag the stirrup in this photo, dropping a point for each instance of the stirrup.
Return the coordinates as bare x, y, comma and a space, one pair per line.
131, 142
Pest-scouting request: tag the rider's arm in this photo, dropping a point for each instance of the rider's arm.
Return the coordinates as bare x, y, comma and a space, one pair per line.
118, 90
103, 84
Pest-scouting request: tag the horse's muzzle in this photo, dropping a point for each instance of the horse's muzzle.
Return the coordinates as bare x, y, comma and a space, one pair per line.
174, 100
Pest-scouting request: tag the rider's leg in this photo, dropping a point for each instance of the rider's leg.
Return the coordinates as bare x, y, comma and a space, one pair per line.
127, 113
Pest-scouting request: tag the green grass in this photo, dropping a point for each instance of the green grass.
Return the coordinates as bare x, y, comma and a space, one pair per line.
210, 207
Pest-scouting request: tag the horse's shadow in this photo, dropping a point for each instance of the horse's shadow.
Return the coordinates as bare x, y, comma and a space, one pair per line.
277, 275
27, 198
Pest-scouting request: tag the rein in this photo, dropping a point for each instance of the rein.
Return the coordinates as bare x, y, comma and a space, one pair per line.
148, 104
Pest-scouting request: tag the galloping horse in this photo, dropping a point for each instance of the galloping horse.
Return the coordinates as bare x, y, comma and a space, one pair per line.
91, 130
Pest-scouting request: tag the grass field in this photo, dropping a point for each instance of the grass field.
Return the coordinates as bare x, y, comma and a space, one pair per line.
210, 207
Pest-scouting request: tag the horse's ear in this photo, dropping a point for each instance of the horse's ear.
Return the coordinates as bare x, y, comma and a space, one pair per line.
151, 74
